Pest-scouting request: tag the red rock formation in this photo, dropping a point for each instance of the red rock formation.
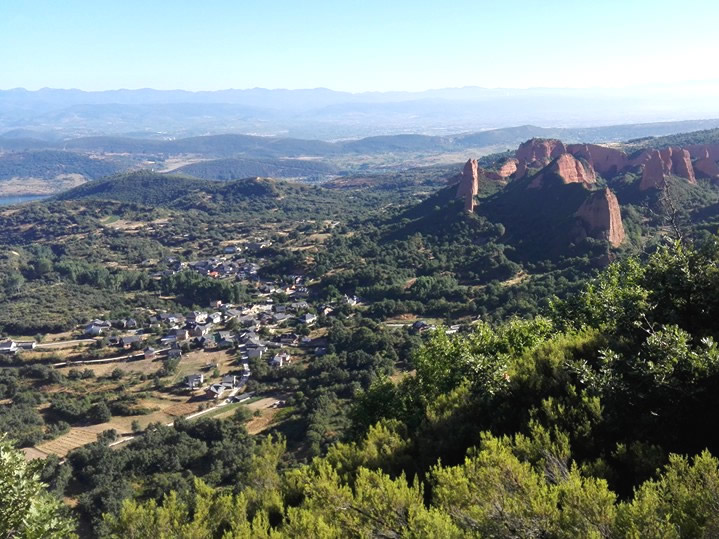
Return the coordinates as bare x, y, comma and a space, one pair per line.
653, 172
641, 159
665, 155
469, 184
539, 152
705, 166
704, 151
569, 169
682, 164
508, 168
660, 163
505, 170
606, 161
521, 169
601, 216
655, 164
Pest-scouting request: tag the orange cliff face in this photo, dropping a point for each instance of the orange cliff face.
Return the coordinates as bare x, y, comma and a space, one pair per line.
705, 166
602, 217
682, 164
539, 152
505, 170
652, 172
704, 151
569, 169
654, 164
606, 161
508, 168
468, 186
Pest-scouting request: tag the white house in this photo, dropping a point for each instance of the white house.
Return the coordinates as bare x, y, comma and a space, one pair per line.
195, 380
8, 347
280, 360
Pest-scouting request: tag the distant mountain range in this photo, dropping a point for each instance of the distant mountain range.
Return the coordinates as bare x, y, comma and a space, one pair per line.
27, 164
329, 115
259, 147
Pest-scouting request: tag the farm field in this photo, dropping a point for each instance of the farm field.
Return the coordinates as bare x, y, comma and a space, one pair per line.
167, 403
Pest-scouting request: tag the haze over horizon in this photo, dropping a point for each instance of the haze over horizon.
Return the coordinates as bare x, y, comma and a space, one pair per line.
372, 46
707, 85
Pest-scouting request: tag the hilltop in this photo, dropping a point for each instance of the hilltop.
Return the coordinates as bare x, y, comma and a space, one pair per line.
237, 168
248, 198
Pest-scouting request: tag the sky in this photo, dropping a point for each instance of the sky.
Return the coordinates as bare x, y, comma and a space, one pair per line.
355, 46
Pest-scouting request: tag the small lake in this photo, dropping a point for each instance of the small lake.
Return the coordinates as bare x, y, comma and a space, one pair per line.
7, 201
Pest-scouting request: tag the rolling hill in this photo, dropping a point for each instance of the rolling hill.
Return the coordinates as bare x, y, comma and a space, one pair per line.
238, 168
48, 164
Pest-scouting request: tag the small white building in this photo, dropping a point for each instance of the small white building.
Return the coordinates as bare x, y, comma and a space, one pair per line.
280, 360
8, 347
195, 381
308, 319
256, 353
215, 391
230, 381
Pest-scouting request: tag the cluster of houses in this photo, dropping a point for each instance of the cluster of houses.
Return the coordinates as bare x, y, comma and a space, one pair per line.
98, 327
217, 267
229, 383
224, 266
202, 329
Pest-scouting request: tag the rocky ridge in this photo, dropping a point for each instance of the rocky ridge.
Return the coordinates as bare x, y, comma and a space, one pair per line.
569, 169
654, 165
601, 216
468, 186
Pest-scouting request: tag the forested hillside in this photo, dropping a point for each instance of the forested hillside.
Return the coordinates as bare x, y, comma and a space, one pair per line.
47, 164
236, 168
590, 421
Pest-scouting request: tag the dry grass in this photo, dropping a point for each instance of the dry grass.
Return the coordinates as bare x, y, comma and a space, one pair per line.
517, 279
183, 409
32, 453
39, 186
258, 424
77, 437
167, 406
141, 366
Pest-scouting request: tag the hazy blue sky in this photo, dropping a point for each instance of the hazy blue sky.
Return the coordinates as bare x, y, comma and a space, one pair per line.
355, 45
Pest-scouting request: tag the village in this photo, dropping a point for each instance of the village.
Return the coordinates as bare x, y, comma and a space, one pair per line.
186, 364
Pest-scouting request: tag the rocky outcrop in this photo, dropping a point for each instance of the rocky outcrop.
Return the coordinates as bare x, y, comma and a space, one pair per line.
601, 217
508, 168
606, 161
657, 164
704, 151
654, 165
503, 171
539, 152
653, 172
569, 169
705, 166
682, 164
665, 154
468, 186
640, 159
